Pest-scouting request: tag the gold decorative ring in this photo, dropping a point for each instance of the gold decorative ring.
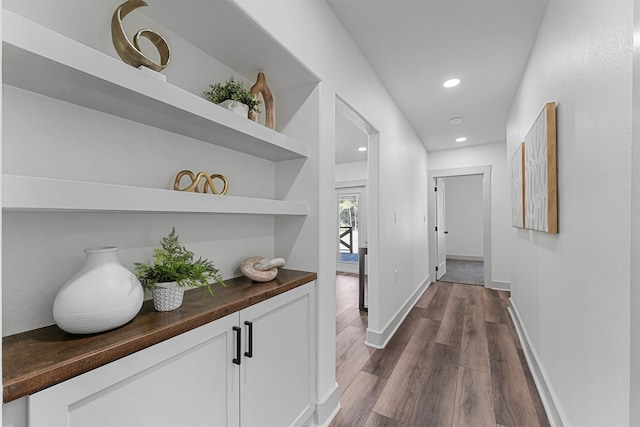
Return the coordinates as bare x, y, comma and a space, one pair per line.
130, 52
196, 179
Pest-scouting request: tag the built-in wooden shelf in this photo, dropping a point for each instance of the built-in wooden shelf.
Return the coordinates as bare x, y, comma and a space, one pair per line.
35, 360
27, 194
40, 60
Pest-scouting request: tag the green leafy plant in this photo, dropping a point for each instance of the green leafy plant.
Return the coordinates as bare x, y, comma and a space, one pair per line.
234, 90
174, 263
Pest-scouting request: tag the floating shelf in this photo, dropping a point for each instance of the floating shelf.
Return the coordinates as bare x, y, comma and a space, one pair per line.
40, 60
33, 194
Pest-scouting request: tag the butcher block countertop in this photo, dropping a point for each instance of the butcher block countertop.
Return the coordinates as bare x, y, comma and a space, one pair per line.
35, 360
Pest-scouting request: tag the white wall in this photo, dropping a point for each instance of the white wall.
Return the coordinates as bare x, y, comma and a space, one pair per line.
493, 155
313, 34
464, 217
572, 289
354, 171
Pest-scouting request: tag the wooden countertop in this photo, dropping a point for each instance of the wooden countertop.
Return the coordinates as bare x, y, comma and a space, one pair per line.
35, 360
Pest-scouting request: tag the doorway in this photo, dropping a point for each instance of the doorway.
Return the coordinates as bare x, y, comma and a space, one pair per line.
455, 259
460, 233
356, 165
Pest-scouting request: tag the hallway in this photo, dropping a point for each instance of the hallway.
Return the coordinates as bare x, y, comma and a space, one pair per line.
455, 361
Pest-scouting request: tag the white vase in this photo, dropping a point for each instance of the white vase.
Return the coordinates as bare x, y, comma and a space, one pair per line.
101, 296
237, 107
167, 296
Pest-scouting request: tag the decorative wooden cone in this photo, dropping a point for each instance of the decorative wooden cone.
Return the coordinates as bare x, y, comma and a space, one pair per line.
270, 114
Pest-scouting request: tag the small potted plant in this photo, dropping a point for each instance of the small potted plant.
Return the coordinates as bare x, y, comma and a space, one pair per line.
234, 96
174, 269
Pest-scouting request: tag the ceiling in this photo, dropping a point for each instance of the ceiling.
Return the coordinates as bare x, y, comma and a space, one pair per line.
415, 45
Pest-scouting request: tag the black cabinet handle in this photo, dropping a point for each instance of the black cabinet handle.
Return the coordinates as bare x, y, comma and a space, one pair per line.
250, 352
238, 344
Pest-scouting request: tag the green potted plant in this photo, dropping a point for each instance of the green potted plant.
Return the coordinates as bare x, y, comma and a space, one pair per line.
174, 269
234, 96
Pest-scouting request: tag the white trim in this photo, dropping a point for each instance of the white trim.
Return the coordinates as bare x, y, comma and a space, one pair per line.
485, 171
466, 257
327, 408
547, 395
352, 183
500, 285
379, 339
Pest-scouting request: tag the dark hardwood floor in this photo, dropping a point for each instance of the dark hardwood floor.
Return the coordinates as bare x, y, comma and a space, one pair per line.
455, 361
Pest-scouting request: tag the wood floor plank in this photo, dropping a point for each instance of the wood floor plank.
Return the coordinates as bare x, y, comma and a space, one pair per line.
504, 294
514, 333
474, 399
459, 291
512, 399
435, 309
346, 339
427, 296
350, 362
537, 402
358, 400
401, 390
348, 317
475, 295
450, 332
382, 362
435, 403
493, 307
474, 347
377, 420
362, 321
422, 341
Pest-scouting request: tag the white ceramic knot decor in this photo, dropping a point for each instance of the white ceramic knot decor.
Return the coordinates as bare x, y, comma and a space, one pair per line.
101, 296
260, 269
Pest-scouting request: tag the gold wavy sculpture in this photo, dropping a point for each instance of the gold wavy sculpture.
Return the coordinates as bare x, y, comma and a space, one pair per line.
197, 179
270, 113
130, 52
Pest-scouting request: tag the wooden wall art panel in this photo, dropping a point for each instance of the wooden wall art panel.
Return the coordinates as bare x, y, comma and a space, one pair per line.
517, 187
540, 172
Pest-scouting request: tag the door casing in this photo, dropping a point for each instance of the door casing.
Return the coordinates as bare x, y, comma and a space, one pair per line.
485, 171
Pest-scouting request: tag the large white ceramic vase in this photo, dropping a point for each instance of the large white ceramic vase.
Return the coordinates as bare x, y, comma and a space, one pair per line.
101, 296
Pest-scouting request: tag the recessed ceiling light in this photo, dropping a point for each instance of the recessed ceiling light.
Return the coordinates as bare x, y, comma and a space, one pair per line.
462, 139
362, 149
455, 120
451, 83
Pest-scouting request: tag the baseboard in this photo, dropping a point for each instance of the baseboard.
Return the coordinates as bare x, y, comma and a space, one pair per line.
327, 408
539, 377
379, 339
500, 286
465, 257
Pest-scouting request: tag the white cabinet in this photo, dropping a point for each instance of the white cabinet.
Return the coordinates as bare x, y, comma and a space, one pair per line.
277, 381
203, 377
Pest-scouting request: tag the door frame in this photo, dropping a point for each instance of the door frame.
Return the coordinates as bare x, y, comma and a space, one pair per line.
485, 171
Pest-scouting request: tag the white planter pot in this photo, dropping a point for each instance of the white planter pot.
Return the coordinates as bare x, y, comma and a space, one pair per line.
101, 296
237, 107
167, 296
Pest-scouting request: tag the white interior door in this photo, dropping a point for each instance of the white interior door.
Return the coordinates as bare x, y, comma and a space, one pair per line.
441, 230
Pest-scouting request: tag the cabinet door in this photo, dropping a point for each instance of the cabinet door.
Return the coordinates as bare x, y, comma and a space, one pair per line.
277, 382
188, 380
